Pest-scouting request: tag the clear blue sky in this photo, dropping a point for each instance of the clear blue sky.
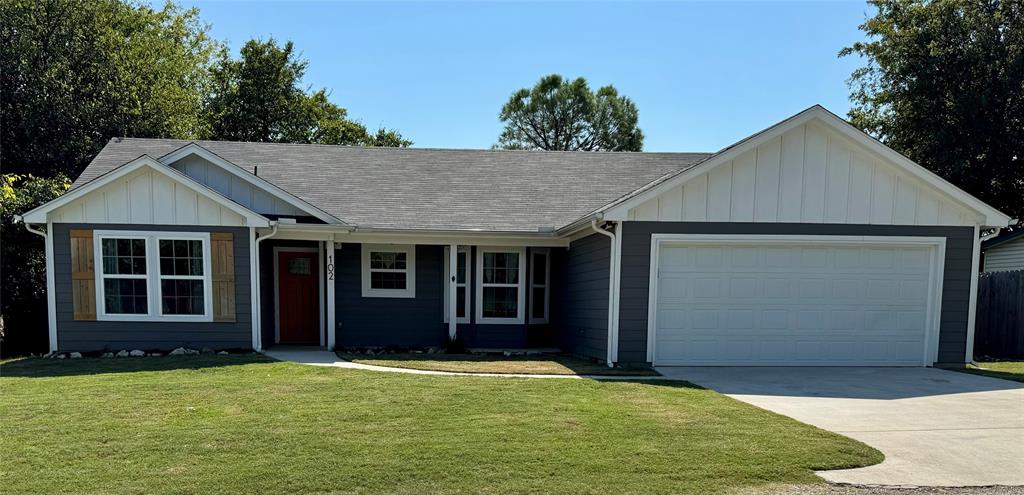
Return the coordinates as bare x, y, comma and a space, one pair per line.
702, 74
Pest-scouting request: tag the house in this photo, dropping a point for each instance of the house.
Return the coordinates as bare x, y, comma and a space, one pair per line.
808, 243
1003, 253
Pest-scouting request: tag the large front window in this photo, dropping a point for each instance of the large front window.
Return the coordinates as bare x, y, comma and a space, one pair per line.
153, 276
500, 274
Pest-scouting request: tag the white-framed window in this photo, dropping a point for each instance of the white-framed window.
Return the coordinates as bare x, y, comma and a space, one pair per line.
389, 270
500, 294
153, 276
461, 284
540, 280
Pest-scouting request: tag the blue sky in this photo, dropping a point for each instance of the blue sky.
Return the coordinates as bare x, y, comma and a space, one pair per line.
702, 74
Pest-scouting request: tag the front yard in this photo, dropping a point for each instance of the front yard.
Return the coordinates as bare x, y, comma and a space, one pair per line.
245, 424
543, 364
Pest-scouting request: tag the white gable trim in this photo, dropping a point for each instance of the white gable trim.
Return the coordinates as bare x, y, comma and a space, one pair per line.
39, 215
254, 180
619, 209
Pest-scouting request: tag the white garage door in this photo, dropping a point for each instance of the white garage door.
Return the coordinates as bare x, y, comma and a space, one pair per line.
743, 304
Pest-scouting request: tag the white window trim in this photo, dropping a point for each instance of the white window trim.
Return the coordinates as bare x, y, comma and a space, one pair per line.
546, 285
463, 286
410, 270
521, 286
152, 277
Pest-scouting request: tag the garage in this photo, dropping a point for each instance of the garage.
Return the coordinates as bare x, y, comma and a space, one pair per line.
794, 300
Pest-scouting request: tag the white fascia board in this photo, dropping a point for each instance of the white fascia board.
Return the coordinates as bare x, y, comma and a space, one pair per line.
233, 169
39, 214
619, 209
339, 233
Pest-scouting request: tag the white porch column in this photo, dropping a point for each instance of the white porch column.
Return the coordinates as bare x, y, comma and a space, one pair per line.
254, 290
332, 322
453, 267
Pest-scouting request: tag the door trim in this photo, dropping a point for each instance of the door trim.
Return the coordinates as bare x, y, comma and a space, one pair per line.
277, 291
936, 273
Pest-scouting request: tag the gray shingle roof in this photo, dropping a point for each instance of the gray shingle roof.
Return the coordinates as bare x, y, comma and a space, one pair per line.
418, 188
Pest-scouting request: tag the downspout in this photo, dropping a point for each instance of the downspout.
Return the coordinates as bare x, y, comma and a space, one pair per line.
51, 296
613, 291
972, 307
258, 312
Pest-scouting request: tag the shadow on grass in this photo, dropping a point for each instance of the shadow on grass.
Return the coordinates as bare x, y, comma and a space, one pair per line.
43, 368
466, 363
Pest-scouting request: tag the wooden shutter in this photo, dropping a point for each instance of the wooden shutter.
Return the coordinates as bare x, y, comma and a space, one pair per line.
83, 276
222, 255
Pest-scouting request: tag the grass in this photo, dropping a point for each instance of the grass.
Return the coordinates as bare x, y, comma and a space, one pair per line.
1008, 370
246, 424
545, 364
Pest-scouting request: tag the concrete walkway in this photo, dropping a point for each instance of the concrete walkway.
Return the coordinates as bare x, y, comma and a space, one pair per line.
315, 356
935, 427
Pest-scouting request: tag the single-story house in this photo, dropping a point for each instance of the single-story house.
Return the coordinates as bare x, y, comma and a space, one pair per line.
808, 243
1003, 253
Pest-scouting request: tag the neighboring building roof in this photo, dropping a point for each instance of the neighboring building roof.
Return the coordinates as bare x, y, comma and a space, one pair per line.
1002, 239
430, 189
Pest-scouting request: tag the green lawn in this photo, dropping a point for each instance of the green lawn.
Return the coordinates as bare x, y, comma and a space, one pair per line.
1009, 370
245, 424
545, 364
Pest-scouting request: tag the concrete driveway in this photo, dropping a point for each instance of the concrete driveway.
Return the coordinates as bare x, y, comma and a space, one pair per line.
935, 427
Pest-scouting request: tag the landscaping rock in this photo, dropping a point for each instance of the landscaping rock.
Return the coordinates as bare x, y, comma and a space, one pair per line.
191, 352
137, 353
122, 353
206, 350
177, 352
107, 355
60, 356
155, 354
223, 353
75, 355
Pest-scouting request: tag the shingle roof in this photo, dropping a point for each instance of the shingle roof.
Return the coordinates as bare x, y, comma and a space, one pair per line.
437, 189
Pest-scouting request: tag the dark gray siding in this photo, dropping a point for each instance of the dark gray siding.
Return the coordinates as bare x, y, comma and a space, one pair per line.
419, 321
636, 263
380, 321
75, 335
580, 296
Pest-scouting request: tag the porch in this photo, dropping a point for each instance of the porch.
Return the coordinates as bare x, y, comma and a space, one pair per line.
343, 290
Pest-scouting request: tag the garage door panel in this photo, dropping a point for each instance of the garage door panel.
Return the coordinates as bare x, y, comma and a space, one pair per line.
791, 305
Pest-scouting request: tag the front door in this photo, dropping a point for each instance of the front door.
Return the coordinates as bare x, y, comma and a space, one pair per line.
298, 297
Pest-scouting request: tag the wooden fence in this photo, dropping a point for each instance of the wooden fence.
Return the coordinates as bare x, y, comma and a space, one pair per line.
999, 329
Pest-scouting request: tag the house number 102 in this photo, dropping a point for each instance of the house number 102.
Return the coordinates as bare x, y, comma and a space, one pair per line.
330, 267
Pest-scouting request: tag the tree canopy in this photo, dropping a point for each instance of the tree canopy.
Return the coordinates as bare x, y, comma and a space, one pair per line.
557, 114
944, 85
260, 97
74, 74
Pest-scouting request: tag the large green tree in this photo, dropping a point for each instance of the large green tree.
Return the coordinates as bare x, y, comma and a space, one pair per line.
944, 85
74, 74
562, 115
260, 97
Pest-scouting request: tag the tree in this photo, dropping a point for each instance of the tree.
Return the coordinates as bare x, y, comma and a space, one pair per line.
567, 116
260, 97
23, 306
74, 74
944, 85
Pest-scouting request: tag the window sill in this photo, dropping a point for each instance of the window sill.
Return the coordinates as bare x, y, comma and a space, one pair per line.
157, 319
389, 293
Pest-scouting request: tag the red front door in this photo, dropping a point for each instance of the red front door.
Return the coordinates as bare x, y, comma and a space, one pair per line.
298, 297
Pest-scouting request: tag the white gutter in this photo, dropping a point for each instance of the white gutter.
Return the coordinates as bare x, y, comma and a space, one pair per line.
613, 291
258, 310
51, 292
